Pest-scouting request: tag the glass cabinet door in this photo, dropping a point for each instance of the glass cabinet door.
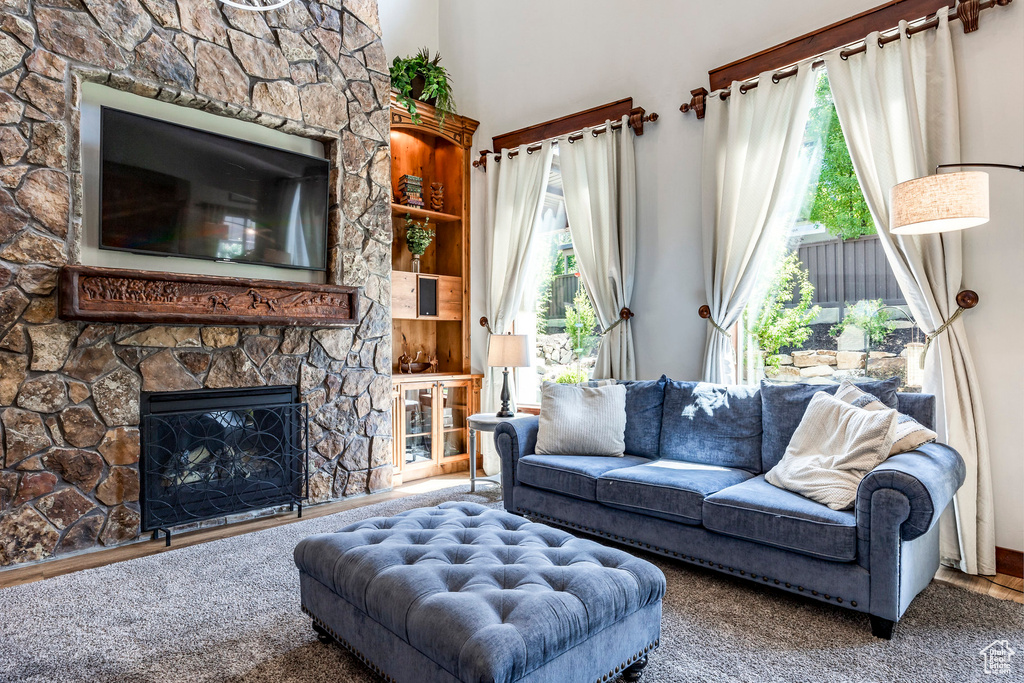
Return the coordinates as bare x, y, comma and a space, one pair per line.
419, 424
455, 401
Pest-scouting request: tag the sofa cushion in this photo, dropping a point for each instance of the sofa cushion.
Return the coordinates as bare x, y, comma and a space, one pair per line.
757, 511
572, 475
712, 423
783, 407
670, 489
834, 447
580, 419
644, 405
644, 401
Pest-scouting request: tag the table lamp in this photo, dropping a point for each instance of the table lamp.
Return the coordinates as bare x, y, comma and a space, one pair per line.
508, 351
941, 202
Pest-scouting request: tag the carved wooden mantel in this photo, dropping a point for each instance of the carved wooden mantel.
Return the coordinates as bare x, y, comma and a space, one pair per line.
136, 296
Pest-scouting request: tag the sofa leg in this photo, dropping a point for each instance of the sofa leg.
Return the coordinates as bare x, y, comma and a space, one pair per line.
882, 628
633, 673
322, 635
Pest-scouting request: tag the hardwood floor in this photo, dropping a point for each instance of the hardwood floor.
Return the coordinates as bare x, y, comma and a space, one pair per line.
999, 586
45, 570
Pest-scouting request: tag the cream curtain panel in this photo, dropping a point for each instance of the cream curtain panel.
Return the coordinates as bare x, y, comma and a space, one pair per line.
599, 182
751, 151
899, 111
515, 192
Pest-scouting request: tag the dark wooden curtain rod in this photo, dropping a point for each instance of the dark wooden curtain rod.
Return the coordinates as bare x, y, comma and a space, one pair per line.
637, 118
967, 12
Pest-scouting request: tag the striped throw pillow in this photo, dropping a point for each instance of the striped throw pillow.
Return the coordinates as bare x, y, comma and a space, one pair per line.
910, 433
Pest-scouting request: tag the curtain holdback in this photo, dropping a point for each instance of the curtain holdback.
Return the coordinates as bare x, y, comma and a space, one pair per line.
705, 312
624, 315
965, 300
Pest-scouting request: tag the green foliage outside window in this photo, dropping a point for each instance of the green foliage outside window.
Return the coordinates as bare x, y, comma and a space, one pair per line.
580, 321
777, 326
838, 202
572, 376
869, 315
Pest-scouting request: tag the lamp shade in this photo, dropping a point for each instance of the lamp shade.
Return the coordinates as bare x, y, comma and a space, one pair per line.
509, 351
939, 203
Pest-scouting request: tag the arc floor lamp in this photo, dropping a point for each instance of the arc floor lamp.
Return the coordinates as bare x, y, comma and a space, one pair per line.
942, 202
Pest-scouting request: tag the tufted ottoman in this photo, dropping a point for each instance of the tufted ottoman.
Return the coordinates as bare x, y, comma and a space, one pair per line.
462, 592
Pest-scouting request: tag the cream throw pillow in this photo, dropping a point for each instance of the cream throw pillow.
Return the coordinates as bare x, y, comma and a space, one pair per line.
910, 433
582, 420
832, 449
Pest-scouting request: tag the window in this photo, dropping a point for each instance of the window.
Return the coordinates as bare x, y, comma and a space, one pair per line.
556, 311
828, 307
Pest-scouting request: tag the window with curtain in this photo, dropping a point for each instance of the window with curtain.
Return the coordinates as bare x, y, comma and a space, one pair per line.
557, 313
827, 305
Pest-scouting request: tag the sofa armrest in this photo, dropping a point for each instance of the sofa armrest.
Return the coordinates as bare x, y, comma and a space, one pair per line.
927, 477
514, 439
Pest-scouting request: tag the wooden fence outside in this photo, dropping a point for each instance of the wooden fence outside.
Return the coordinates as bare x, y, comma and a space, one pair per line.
563, 290
846, 271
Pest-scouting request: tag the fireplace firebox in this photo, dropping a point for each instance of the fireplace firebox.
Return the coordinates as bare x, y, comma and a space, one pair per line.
217, 452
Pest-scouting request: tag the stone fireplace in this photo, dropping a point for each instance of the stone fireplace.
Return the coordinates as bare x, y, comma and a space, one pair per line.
70, 391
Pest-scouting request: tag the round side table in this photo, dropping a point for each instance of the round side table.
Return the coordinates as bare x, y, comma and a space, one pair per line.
484, 422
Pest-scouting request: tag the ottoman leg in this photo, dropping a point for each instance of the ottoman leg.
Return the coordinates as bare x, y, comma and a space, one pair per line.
322, 635
634, 672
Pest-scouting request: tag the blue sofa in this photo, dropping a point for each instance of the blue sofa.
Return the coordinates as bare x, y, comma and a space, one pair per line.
691, 486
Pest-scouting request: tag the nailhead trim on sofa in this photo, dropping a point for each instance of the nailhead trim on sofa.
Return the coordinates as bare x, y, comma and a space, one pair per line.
667, 553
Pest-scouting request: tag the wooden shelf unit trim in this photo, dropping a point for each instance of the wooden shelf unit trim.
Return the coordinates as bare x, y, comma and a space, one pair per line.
432, 377
435, 216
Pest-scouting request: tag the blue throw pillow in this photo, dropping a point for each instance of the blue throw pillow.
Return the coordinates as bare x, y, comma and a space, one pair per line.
783, 406
712, 424
644, 399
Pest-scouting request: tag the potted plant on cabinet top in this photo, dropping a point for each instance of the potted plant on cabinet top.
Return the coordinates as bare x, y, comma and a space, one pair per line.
417, 237
422, 78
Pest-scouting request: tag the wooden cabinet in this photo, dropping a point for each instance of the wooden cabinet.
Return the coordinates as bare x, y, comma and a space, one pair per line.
430, 309
430, 423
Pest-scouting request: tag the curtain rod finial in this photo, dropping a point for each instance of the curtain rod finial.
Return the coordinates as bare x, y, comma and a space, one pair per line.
481, 163
697, 103
968, 11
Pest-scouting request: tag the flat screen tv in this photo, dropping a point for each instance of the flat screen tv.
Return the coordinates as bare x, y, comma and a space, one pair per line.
172, 190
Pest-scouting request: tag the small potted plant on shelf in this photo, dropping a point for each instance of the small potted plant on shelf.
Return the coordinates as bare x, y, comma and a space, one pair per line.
422, 78
417, 237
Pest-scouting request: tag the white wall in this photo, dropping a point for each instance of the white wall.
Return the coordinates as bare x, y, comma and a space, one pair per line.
408, 25
516, 64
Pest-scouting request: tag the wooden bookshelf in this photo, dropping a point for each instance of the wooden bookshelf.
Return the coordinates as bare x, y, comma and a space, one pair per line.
424, 445
437, 155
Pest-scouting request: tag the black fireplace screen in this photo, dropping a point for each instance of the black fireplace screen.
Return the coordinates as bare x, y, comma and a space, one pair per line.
212, 453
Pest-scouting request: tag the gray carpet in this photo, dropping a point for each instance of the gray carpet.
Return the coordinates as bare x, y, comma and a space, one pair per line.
229, 611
